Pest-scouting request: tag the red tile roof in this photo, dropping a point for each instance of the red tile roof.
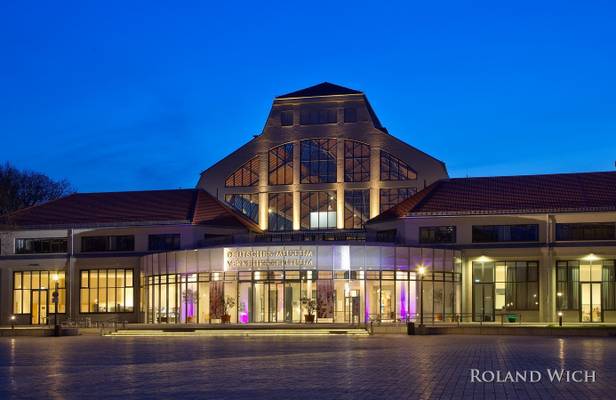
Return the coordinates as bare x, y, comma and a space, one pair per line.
593, 191
131, 208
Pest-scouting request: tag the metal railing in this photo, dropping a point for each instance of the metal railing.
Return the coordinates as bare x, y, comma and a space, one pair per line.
442, 319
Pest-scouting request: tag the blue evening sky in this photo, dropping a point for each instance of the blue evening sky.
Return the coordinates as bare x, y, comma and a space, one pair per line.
121, 95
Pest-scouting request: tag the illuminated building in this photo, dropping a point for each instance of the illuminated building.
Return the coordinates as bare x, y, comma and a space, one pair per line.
325, 205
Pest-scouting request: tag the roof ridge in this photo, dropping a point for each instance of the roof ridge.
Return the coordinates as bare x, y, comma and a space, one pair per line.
320, 90
531, 175
134, 191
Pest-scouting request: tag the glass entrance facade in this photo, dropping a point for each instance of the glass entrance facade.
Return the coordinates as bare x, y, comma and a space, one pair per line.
588, 287
199, 290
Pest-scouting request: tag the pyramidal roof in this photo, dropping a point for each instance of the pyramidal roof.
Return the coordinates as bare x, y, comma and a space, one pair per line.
322, 89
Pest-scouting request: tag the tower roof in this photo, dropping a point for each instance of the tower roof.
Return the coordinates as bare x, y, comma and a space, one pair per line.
322, 89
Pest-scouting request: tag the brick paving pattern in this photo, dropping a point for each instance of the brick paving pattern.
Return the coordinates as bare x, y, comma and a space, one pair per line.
379, 367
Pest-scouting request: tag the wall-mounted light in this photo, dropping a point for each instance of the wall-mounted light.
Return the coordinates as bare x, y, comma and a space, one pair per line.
591, 257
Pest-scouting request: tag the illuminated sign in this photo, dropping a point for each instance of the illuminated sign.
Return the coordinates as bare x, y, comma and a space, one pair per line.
281, 258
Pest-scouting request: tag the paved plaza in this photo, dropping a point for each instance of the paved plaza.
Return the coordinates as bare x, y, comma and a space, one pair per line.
377, 367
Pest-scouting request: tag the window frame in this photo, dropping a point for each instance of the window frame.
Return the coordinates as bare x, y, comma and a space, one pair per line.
357, 220
89, 289
252, 198
250, 168
323, 197
436, 230
167, 236
388, 160
567, 232
285, 165
285, 121
49, 239
502, 229
108, 245
312, 155
356, 161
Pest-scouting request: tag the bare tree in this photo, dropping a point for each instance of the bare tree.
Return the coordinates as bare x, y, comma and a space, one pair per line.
19, 189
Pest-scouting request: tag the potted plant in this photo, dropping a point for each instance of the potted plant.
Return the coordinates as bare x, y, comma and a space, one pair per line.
310, 305
227, 304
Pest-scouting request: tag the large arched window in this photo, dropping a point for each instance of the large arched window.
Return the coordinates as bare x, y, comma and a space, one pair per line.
318, 161
356, 161
246, 175
394, 169
280, 165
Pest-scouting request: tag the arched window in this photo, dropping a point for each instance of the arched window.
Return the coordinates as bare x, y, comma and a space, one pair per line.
356, 161
318, 161
394, 169
246, 175
280, 165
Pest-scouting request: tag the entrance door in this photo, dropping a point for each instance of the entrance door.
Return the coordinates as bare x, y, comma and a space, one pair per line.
39, 307
261, 303
590, 288
276, 302
483, 302
591, 302
483, 291
351, 307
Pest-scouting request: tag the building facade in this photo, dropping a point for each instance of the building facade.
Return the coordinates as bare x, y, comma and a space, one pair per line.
324, 216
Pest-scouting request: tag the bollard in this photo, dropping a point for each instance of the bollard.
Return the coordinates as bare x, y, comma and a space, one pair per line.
410, 328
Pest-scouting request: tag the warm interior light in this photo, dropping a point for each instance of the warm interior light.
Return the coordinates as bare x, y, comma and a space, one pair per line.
421, 270
559, 294
56, 278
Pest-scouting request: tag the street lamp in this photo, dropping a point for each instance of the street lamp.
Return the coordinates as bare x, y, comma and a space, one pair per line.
56, 327
422, 271
13, 325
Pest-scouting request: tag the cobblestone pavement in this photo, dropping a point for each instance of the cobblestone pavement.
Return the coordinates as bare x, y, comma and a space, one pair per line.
379, 367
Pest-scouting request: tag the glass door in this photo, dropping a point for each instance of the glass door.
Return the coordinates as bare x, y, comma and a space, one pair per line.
483, 292
276, 302
39, 307
590, 288
260, 304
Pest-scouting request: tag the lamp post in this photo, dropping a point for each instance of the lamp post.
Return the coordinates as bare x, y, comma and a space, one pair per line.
560, 306
422, 271
56, 327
